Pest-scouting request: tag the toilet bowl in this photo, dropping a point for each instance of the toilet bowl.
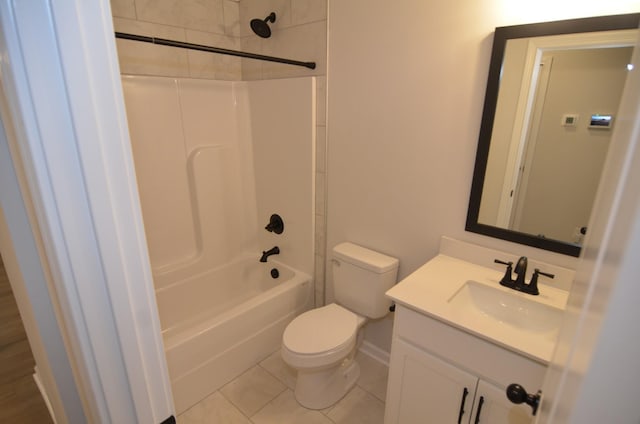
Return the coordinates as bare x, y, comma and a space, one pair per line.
321, 344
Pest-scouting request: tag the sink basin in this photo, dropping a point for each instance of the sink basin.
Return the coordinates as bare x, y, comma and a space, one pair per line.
505, 307
469, 297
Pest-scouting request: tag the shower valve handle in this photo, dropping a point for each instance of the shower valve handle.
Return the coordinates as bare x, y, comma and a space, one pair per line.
275, 225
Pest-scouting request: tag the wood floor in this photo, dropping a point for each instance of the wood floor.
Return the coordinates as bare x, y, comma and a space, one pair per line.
20, 399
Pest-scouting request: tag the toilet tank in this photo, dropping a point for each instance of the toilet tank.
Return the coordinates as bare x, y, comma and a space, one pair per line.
361, 277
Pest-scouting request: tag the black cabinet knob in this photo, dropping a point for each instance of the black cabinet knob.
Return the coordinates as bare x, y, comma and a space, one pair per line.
517, 394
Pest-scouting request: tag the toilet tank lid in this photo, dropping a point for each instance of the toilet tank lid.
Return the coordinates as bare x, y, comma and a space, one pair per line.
364, 258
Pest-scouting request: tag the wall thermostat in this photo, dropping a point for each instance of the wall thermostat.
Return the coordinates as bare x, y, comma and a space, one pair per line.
601, 121
569, 120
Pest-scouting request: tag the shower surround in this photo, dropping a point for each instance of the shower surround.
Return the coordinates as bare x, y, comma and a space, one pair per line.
214, 160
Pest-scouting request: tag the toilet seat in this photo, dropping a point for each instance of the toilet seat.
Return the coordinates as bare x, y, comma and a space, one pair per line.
320, 337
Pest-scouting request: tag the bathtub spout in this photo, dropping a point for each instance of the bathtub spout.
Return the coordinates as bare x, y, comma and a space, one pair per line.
273, 251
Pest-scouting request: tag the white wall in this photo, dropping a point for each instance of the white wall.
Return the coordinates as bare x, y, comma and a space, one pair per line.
406, 85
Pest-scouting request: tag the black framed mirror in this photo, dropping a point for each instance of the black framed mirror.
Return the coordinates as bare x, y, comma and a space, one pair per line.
546, 126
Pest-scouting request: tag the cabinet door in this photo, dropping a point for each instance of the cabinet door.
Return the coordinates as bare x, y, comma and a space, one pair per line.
491, 406
424, 389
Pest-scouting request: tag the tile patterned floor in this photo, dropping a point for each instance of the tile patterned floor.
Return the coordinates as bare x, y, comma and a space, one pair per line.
264, 395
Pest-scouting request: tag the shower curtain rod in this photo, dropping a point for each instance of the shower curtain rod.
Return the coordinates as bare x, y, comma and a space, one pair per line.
200, 47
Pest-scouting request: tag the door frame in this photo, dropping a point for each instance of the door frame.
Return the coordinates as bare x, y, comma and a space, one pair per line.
60, 73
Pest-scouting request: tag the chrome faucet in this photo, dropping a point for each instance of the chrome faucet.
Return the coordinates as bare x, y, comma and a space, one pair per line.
273, 251
519, 283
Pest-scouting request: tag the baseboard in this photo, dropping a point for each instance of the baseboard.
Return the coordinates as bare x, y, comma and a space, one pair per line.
373, 351
43, 392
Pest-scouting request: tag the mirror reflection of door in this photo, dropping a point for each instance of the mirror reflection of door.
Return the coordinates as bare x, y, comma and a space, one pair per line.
563, 155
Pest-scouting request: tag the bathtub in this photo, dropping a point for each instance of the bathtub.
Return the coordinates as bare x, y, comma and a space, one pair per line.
218, 324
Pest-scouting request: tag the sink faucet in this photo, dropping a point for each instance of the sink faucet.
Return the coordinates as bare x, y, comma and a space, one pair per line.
273, 251
519, 283
521, 271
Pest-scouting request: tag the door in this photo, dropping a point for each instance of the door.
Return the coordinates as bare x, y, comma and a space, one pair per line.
595, 369
424, 388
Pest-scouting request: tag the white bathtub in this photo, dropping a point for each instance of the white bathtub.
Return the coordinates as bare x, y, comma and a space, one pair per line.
218, 324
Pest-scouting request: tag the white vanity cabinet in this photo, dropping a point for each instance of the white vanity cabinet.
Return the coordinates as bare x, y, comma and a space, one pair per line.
441, 374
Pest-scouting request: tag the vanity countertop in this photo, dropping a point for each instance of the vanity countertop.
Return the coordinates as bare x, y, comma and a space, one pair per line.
431, 288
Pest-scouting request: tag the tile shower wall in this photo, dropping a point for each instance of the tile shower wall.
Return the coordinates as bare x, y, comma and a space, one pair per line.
300, 32
215, 22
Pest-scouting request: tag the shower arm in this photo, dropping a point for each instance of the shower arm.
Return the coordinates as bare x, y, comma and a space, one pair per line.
203, 48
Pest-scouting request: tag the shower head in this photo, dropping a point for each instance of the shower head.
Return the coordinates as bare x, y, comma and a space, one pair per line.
261, 26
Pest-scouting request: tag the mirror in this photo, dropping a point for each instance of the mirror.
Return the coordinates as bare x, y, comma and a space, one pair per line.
552, 95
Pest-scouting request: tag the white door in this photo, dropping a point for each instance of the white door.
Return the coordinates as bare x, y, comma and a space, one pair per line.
427, 388
594, 372
61, 82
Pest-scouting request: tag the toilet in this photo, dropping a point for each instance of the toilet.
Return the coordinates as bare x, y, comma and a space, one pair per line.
321, 343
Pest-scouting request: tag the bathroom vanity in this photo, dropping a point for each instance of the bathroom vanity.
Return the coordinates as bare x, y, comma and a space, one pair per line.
460, 339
